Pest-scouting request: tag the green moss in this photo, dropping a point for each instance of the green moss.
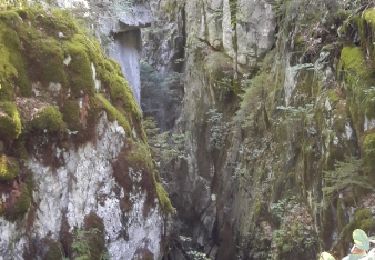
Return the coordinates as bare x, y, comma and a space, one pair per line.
120, 91
49, 119
57, 21
164, 200
369, 16
332, 96
7, 73
32, 50
12, 67
369, 152
354, 64
358, 77
88, 244
21, 206
47, 57
53, 251
9, 168
113, 113
71, 115
111, 75
140, 157
299, 41
79, 69
10, 121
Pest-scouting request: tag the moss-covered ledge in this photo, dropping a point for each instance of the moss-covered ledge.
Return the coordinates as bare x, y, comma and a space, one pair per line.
50, 64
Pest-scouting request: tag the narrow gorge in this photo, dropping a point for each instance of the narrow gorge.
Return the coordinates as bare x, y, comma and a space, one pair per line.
186, 129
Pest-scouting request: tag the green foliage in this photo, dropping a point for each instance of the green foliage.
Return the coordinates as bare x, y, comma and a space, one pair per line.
359, 78
369, 152
47, 57
219, 68
21, 206
48, 119
9, 168
79, 69
54, 251
119, 89
89, 243
12, 65
10, 121
165, 146
354, 64
363, 219
346, 174
164, 200
296, 233
71, 115
278, 209
369, 16
252, 97
233, 13
332, 96
218, 129
80, 245
140, 157
35, 46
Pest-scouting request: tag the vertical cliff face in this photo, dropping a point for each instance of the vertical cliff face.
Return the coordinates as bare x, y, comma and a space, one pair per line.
76, 175
117, 24
276, 123
65, 199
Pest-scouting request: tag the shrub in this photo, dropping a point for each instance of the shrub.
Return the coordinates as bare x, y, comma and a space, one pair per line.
10, 121
49, 119
9, 168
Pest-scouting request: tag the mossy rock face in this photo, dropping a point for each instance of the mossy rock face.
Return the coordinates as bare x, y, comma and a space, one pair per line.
140, 157
113, 113
332, 96
363, 219
79, 69
71, 115
41, 47
164, 200
12, 66
88, 244
369, 152
369, 16
120, 92
47, 57
49, 119
359, 78
9, 168
54, 251
22, 204
10, 122
354, 64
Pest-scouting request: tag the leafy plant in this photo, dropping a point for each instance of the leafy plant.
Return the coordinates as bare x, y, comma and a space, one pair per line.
346, 174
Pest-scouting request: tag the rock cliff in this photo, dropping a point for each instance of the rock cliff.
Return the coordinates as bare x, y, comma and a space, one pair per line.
259, 120
271, 155
76, 175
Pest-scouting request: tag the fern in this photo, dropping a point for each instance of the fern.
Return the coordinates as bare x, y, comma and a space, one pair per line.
345, 175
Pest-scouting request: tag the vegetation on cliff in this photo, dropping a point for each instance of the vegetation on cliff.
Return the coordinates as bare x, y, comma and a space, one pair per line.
55, 81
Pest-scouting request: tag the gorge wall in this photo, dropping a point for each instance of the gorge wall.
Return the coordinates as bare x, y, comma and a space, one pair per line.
271, 156
76, 175
258, 118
